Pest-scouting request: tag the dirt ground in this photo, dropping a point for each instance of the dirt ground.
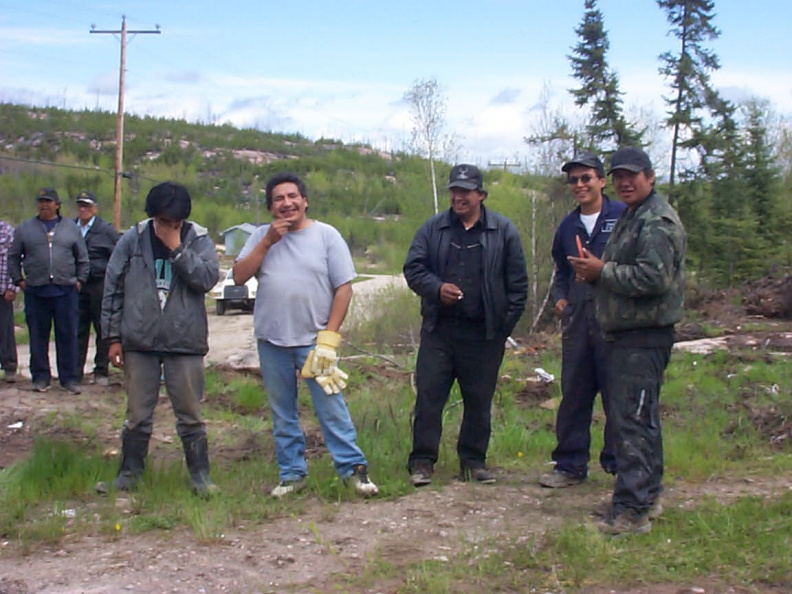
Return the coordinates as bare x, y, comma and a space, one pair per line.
308, 553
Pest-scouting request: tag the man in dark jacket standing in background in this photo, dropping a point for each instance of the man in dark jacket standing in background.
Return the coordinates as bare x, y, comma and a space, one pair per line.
582, 349
48, 260
154, 317
639, 287
467, 265
100, 238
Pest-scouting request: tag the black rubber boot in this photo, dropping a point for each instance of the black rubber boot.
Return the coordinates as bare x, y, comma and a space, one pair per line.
134, 450
196, 454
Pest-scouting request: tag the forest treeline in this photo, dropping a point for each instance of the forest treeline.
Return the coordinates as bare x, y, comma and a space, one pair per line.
377, 200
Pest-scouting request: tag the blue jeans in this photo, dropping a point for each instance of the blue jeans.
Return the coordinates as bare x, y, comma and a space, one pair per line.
279, 368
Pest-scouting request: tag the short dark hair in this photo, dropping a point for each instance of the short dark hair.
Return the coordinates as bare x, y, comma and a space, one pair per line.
169, 199
285, 178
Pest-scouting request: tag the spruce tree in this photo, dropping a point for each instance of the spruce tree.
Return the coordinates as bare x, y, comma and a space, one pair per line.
599, 85
689, 73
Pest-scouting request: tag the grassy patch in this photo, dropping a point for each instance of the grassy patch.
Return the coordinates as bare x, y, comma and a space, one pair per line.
723, 415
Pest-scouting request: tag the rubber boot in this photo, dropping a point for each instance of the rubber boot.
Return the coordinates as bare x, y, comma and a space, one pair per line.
196, 454
134, 449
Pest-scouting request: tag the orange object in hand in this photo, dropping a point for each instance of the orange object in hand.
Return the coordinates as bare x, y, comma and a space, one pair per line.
581, 253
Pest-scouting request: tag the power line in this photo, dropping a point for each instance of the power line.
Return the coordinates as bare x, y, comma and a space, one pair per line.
119, 155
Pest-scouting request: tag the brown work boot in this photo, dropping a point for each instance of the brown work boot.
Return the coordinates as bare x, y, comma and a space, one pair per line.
627, 522
604, 509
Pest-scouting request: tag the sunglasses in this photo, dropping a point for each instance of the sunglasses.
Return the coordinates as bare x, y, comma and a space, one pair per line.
572, 180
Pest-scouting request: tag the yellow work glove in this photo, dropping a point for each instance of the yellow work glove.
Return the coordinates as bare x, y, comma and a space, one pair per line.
334, 382
322, 358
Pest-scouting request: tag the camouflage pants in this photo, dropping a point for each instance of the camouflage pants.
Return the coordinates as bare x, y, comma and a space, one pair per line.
636, 376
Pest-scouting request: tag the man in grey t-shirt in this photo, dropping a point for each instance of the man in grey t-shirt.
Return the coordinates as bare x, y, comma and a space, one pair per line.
304, 272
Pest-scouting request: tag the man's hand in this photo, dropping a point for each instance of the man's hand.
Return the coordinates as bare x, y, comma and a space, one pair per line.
116, 355
277, 229
588, 268
9, 295
323, 358
168, 233
450, 294
559, 307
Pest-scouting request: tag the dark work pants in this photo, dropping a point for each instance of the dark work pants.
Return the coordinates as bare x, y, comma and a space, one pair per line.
91, 315
184, 383
40, 313
447, 354
636, 379
583, 375
8, 351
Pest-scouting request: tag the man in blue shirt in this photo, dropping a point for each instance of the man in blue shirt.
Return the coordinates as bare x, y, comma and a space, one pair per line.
588, 227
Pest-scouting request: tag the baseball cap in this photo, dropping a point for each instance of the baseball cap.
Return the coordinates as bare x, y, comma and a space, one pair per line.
86, 197
585, 160
465, 176
630, 158
48, 194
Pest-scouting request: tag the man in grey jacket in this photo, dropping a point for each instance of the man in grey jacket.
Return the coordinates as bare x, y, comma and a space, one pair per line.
154, 318
48, 260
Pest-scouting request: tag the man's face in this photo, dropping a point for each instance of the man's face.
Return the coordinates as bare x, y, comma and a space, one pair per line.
466, 203
288, 203
85, 212
585, 186
47, 209
632, 188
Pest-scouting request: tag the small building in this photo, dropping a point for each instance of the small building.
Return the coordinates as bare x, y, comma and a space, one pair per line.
234, 238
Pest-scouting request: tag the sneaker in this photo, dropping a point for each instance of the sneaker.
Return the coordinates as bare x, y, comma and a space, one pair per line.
10, 377
558, 479
101, 380
479, 475
627, 522
605, 510
288, 487
40, 386
362, 483
421, 474
72, 388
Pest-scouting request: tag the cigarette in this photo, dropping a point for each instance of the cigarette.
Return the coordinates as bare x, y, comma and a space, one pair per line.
459, 297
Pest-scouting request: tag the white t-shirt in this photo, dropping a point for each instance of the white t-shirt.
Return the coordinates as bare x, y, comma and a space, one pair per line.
297, 281
589, 221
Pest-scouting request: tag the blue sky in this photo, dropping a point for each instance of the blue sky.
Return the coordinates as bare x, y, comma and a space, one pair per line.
340, 69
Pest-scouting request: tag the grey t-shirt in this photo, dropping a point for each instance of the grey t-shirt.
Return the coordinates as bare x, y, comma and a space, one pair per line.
297, 281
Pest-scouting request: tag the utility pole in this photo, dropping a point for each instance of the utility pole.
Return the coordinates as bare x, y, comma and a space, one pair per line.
119, 153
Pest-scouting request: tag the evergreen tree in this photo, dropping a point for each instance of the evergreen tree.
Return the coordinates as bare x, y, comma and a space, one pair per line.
762, 175
599, 85
689, 71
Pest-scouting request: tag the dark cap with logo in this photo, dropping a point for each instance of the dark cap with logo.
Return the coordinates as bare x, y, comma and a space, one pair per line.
86, 197
630, 158
48, 194
589, 160
467, 177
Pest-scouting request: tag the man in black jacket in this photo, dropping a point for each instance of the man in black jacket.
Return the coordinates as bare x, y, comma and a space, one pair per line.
468, 266
100, 237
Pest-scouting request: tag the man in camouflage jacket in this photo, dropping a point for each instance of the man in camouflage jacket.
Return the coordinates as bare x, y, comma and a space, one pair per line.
639, 288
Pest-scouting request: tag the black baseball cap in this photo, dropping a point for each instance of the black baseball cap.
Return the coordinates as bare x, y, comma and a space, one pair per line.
86, 197
467, 177
589, 160
48, 194
630, 158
